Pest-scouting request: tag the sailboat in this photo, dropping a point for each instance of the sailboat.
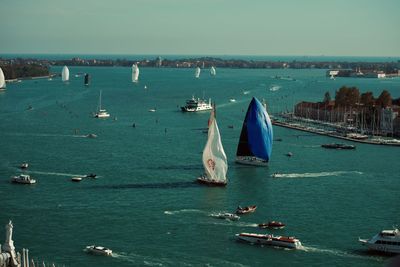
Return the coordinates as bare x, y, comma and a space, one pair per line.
135, 73
101, 113
197, 72
213, 72
255, 144
65, 74
87, 79
214, 158
2, 81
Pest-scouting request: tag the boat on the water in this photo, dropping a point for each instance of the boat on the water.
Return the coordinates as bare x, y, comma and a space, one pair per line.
65, 74
278, 241
338, 146
23, 179
86, 79
213, 72
194, 105
272, 225
197, 72
232, 100
24, 165
76, 179
98, 250
227, 216
101, 113
135, 73
2, 81
245, 210
91, 175
214, 157
387, 241
255, 143
357, 136
92, 135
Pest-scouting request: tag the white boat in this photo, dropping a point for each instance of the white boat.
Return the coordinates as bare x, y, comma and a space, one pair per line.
232, 100
76, 179
387, 241
24, 165
194, 105
23, 179
92, 135
357, 136
213, 72
153, 110
197, 72
98, 250
214, 158
101, 113
135, 73
2, 81
227, 216
271, 240
65, 74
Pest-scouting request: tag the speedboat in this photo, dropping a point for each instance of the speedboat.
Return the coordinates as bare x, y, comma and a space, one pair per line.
275, 175
98, 250
152, 110
24, 165
387, 241
278, 241
289, 154
245, 210
232, 100
194, 105
91, 175
228, 216
272, 225
338, 146
76, 179
91, 135
23, 179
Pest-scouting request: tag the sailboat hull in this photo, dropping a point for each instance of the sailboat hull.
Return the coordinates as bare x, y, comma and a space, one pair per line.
204, 180
253, 161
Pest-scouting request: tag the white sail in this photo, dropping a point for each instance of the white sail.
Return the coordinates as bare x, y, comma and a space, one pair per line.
65, 74
2, 79
197, 72
214, 158
213, 72
135, 73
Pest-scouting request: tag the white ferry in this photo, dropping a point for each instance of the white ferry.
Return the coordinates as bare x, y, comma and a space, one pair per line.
271, 240
194, 105
387, 241
23, 179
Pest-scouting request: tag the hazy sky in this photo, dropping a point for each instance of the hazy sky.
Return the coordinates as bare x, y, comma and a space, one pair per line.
207, 27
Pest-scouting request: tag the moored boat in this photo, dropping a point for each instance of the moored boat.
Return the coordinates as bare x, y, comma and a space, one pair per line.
98, 250
23, 179
278, 241
387, 241
272, 225
245, 210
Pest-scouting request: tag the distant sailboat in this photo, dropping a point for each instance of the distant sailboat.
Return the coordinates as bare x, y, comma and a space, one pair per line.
2, 81
65, 74
87, 79
197, 72
135, 73
101, 113
213, 72
214, 158
255, 144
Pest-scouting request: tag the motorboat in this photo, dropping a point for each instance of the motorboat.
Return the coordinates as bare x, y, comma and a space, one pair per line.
91, 135
152, 110
246, 210
387, 241
194, 105
272, 225
91, 175
232, 100
24, 165
23, 179
289, 154
76, 179
357, 136
228, 216
278, 241
98, 250
338, 146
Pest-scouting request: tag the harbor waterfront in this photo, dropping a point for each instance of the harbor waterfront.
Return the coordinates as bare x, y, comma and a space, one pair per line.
144, 203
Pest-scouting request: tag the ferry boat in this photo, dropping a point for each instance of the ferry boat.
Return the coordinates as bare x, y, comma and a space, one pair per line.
194, 105
23, 179
338, 146
387, 241
271, 240
97, 250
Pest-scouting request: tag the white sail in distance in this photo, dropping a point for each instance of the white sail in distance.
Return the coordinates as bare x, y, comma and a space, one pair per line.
213, 72
214, 157
135, 73
65, 74
2, 79
197, 72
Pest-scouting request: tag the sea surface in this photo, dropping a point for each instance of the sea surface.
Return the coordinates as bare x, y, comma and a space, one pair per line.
145, 205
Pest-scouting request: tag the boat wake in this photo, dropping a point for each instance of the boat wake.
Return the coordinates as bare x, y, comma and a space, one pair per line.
174, 212
50, 135
57, 174
227, 222
335, 252
314, 174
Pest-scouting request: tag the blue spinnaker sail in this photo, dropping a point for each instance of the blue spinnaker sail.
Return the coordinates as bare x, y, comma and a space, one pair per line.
259, 130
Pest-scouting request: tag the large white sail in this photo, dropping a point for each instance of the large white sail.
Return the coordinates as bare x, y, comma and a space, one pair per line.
135, 73
213, 72
197, 72
2, 79
65, 74
214, 158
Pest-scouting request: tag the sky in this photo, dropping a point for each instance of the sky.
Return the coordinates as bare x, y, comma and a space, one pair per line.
201, 27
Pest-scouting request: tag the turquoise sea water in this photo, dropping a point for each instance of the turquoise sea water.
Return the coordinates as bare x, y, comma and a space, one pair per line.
145, 205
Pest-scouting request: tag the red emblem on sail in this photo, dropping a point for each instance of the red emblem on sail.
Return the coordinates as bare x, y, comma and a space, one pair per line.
211, 164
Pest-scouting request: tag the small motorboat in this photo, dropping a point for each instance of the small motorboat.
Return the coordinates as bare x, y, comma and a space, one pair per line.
76, 179
338, 146
91, 175
232, 100
24, 165
277, 241
23, 179
91, 135
275, 175
289, 154
227, 216
246, 210
152, 110
98, 250
272, 225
